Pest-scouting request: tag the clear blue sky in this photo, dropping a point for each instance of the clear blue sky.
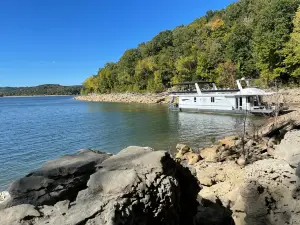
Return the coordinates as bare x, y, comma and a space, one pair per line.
65, 41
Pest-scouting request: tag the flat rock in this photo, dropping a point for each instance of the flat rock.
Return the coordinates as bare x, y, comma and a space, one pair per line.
56, 180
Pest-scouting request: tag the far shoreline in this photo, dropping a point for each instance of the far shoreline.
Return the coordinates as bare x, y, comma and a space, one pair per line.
28, 96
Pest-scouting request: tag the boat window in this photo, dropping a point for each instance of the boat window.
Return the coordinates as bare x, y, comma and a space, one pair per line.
195, 99
212, 99
250, 99
259, 99
241, 101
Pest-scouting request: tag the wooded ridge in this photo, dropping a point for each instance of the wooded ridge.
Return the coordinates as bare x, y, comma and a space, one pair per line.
46, 89
250, 38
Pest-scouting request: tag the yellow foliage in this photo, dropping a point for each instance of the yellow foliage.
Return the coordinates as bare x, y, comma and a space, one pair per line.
217, 23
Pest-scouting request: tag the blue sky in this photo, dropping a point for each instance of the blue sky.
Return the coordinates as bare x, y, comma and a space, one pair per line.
65, 41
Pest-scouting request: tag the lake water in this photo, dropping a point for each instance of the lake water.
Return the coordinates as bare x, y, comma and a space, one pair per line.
36, 129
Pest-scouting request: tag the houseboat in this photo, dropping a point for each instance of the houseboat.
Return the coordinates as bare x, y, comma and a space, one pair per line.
247, 99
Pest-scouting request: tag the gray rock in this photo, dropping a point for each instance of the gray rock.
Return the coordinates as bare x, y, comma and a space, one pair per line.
136, 186
289, 148
18, 214
56, 180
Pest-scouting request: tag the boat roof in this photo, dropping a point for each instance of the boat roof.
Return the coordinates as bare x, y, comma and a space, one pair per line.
220, 90
205, 91
189, 83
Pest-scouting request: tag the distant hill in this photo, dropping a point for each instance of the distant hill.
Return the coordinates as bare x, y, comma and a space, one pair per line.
45, 89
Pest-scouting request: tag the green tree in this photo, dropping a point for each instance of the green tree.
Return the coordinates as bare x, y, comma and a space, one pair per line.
291, 51
144, 71
272, 31
238, 50
126, 66
227, 74
92, 84
186, 67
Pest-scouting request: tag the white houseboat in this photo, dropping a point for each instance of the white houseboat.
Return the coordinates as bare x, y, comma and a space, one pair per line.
239, 101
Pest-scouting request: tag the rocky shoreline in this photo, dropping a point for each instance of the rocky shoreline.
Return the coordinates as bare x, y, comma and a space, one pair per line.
242, 180
256, 177
291, 96
161, 98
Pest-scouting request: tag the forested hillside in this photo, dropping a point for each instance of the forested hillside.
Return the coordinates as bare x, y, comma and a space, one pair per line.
250, 38
46, 89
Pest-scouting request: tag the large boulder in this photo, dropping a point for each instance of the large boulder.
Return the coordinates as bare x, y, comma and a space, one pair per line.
136, 186
289, 148
56, 180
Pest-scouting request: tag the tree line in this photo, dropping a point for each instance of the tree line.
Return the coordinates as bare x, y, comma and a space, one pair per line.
46, 89
257, 39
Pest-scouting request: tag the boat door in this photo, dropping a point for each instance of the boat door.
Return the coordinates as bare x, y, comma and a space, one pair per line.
239, 103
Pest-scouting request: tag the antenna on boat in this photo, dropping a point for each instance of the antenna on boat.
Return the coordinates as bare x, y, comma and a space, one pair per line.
248, 83
214, 86
198, 89
238, 82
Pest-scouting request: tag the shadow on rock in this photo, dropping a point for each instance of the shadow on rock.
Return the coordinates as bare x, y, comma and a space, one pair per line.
211, 213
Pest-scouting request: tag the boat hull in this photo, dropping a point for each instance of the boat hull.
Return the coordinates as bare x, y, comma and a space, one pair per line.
218, 111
